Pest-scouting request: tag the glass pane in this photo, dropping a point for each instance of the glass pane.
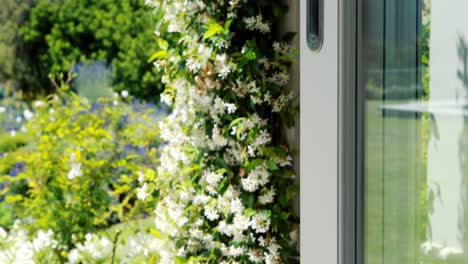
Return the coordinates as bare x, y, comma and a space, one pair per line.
413, 70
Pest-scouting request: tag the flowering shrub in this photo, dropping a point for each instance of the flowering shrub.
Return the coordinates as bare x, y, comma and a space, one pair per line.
228, 182
18, 247
82, 168
13, 114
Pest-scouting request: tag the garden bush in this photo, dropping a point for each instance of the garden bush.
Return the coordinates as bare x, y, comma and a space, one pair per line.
55, 35
13, 58
14, 112
228, 183
81, 169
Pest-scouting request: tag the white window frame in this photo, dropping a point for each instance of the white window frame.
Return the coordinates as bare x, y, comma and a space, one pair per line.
330, 191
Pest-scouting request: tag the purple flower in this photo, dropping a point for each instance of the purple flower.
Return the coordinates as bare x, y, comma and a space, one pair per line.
95, 107
17, 169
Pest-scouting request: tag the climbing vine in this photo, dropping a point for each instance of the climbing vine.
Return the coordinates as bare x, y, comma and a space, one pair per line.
225, 183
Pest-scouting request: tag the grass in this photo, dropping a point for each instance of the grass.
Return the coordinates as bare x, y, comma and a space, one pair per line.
396, 182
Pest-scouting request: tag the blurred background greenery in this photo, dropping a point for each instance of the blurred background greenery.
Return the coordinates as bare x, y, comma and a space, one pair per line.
39, 38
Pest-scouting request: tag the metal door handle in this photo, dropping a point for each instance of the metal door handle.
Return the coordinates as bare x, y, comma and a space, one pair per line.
315, 24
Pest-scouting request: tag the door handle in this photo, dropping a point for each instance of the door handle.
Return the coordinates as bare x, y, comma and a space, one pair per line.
315, 24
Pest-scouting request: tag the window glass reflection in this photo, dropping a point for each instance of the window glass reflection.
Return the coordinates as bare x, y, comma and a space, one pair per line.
414, 73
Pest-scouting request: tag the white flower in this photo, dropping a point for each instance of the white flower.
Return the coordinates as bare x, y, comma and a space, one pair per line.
211, 213
236, 206
231, 108
193, 65
250, 184
28, 114
3, 233
98, 248
204, 51
224, 71
12, 133
166, 98
234, 130
282, 48
125, 94
142, 192
2, 109
267, 197
280, 78
241, 222
273, 247
44, 240
260, 222
256, 23
74, 256
75, 170
263, 139
259, 176
19, 119
236, 251
217, 140
223, 66
233, 3
251, 150
255, 256
39, 103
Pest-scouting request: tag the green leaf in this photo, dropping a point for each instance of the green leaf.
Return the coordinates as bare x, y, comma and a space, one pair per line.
163, 44
227, 25
249, 212
251, 55
223, 186
271, 165
284, 215
236, 122
220, 163
250, 166
180, 260
213, 30
155, 232
293, 191
162, 54
267, 213
249, 200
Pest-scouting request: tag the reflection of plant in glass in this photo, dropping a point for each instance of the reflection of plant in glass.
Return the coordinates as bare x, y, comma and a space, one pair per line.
462, 75
427, 195
425, 39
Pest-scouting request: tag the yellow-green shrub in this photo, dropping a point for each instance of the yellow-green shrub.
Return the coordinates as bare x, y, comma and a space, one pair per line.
83, 166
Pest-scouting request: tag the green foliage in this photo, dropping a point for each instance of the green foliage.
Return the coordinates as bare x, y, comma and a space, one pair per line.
9, 143
83, 165
228, 184
57, 34
13, 59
